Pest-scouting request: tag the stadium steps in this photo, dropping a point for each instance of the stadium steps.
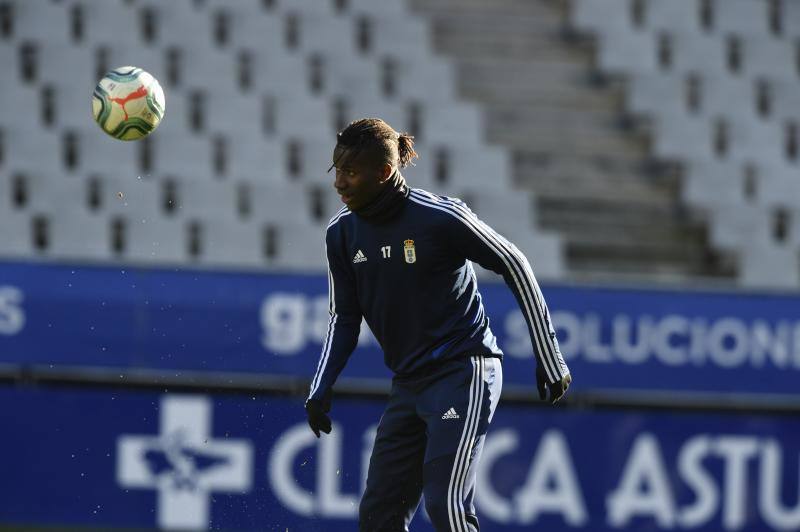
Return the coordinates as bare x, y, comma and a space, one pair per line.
618, 211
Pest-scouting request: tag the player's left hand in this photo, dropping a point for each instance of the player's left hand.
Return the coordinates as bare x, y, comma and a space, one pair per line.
557, 389
317, 412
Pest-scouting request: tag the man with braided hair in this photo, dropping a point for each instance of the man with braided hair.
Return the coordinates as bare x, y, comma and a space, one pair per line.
401, 258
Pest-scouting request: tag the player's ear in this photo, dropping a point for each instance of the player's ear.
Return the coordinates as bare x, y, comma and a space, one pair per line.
386, 172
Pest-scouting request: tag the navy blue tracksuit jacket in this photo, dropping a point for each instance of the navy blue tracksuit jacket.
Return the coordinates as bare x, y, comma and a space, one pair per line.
412, 280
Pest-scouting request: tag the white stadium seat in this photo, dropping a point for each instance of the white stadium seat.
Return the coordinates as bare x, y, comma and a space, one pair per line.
602, 17
728, 96
107, 21
663, 16
300, 247
216, 200
232, 244
770, 58
790, 19
683, 136
699, 53
742, 17
768, 265
284, 202
712, 182
656, 93
43, 22
626, 52
16, 241
77, 235
136, 198
154, 241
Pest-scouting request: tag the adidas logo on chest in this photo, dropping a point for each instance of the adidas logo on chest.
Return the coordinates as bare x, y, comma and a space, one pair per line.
450, 414
359, 257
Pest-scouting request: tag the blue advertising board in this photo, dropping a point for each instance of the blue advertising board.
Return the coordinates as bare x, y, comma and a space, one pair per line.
198, 321
110, 458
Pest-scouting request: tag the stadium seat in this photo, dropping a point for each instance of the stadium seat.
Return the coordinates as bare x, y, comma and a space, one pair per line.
216, 200
109, 21
779, 185
409, 39
24, 97
736, 229
767, 265
656, 93
154, 241
471, 168
35, 151
626, 52
390, 9
71, 68
199, 65
77, 235
42, 22
742, 17
280, 202
683, 137
16, 241
454, 123
180, 23
322, 31
239, 117
182, 155
432, 80
278, 73
256, 159
135, 198
504, 208
50, 192
602, 17
698, 53
313, 7
663, 16
709, 183
352, 77
790, 19
316, 157
251, 27
770, 58
300, 247
106, 156
785, 99
728, 96
232, 244
304, 116
756, 140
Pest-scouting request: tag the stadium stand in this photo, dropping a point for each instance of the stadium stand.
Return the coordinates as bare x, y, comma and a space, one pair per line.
546, 115
255, 93
716, 80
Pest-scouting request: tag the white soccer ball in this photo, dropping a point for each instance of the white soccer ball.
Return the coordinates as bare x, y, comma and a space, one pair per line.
128, 103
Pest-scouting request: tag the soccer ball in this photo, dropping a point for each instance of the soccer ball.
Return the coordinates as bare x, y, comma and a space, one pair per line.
128, 103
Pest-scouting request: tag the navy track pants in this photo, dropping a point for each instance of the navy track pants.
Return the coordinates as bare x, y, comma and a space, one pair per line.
429, 441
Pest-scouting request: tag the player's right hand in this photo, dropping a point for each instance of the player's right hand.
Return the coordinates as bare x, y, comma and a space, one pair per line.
318, 418
557, 389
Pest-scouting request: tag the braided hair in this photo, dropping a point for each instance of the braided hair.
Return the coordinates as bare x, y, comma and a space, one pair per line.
379, 140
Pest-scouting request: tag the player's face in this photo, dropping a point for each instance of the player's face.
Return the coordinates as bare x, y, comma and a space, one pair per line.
358, 180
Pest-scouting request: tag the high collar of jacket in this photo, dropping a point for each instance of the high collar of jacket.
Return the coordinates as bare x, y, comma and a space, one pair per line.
389, 202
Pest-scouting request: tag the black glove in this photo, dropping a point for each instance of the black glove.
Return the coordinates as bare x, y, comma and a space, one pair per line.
317, 412
557, 389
